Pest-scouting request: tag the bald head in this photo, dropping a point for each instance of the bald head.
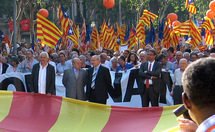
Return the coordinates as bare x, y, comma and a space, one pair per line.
76, 62
95, 60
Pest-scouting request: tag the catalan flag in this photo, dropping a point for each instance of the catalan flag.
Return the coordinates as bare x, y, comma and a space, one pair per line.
190, 6
71, 35
147, 16
41, 113
207, 24
166, 38
121, 34
132, 38
183, 28
83, 32
197, 38
47, 32
174, 38
209, 39
95, 39
64, 20
6, 40
140, 31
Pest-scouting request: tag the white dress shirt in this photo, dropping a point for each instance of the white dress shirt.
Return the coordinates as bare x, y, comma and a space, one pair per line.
177, 77
107, 64
152, 64
42, 80
1, 67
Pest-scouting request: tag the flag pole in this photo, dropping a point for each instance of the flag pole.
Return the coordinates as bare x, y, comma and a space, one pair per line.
14, 28
120, 14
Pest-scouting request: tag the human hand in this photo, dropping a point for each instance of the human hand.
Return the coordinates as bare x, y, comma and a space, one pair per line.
154, 77
32, 93
187, 125
49, 94
58, 74
28, 67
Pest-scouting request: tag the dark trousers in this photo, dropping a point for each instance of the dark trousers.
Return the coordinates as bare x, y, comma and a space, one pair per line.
93, 98
177, 95
149, 95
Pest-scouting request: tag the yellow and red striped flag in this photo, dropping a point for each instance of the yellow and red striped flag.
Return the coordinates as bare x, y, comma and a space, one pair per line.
95, 39
83, 32
121, 34
209, 39
140, 31
47, 32
175, 39
64, 20
207, 24
183, 28
64, 114
166, 38
132, 39
196, 36
192, 8
147, 16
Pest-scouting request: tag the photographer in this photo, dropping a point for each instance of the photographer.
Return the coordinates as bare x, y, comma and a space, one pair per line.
198, 97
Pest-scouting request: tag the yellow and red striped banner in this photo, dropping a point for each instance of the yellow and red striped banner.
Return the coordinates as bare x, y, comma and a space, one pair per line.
22, 112
47, 32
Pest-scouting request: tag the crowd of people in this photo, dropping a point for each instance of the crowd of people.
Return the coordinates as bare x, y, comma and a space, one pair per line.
92, 69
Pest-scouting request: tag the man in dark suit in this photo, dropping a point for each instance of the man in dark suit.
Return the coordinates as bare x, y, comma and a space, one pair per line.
75, 80
99, 82
150, 82
3, 66
43, 77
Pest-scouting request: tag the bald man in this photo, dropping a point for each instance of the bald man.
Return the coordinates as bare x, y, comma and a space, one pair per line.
74, 80
99, 82
177, 82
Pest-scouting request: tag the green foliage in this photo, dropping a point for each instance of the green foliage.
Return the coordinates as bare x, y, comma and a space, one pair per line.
6, 8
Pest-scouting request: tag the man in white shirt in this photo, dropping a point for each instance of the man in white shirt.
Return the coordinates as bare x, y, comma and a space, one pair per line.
198, 97
43, 77
177, 83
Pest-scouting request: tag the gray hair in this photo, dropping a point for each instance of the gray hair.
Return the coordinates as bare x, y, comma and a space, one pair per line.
97, 56
74, 59
183, 59
44, 53
179, 52
82, 56
113, 59
186, 53
74, 56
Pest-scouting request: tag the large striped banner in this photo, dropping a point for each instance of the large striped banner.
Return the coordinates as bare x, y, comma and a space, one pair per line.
20, 111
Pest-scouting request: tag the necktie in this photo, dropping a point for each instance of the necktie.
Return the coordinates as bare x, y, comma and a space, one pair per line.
76, 74
147, 80
93, 78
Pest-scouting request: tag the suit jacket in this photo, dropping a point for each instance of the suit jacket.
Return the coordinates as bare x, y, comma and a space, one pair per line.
75, 87
102, 83
4, 67
156, 71
50, 79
